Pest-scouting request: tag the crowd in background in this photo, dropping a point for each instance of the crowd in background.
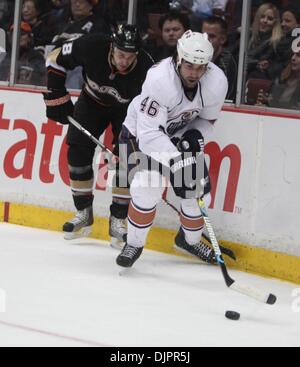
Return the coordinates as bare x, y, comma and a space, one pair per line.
273, 68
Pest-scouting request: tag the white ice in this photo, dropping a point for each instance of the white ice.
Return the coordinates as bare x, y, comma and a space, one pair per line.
71, 294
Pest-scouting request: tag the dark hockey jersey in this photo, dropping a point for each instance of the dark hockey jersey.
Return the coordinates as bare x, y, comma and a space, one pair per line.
75, 29
103, 83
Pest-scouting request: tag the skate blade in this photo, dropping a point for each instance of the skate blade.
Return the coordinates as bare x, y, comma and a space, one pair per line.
84, 232
124, 271
116, 244
184, 252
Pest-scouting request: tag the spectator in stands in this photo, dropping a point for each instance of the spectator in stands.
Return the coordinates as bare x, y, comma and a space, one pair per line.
234, 19
156, 6
202, 9
58, 16
83, 21
206, 8
6, 14
34, 12
290, 20
217, 30
114, 11
286, 90
265, 38
146, 8
31, 64
172, 25
180, 5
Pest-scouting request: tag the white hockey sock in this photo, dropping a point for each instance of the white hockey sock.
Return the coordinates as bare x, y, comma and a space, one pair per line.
140, 221
192, 221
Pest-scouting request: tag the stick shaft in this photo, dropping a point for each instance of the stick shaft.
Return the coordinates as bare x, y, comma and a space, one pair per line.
89, 135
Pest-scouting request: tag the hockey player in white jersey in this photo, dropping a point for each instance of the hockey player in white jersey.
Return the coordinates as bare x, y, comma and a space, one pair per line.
181, 99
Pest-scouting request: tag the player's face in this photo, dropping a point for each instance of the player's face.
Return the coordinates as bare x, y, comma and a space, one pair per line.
191, 73
123, 60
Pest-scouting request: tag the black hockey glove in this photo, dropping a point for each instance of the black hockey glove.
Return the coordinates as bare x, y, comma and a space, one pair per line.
59, 106
187, 170
191, 141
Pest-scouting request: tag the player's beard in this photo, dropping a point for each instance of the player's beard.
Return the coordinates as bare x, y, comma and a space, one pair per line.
189, 83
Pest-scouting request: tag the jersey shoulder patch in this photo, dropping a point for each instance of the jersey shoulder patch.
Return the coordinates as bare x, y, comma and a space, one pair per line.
162, 84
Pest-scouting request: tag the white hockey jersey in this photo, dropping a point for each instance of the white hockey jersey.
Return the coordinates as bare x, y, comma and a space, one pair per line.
163, 111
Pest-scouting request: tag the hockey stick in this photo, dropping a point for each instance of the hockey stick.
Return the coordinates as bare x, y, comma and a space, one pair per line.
89, 135
76, 124
247, 290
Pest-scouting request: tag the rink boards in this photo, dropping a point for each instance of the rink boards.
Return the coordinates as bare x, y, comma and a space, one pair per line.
254, 166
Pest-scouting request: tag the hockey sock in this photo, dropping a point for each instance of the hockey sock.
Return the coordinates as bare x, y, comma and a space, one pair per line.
192, 221
120, 203
140, 221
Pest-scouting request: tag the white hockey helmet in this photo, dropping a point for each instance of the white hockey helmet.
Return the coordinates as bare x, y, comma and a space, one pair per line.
195, 48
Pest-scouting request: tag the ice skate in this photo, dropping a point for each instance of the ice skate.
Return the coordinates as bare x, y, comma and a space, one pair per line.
80, 226
201, 251
129, 256
117, 232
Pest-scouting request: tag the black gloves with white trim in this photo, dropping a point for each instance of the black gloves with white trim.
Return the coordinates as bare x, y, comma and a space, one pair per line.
187, 170
59, 105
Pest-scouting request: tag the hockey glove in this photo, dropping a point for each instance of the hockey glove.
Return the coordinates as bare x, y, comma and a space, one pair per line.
183, 174
191, 141
187, 170
59, 106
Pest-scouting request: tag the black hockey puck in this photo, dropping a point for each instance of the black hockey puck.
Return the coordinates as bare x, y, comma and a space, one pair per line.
272, 300
232, 315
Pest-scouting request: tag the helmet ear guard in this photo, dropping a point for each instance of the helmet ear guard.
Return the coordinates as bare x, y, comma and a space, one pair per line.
127, 38
194, 48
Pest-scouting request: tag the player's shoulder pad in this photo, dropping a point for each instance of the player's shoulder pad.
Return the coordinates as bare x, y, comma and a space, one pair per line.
145, 56
215, 80
94, 39
161, 82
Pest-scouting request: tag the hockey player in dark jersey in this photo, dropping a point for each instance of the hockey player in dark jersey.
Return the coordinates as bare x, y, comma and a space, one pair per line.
114, 72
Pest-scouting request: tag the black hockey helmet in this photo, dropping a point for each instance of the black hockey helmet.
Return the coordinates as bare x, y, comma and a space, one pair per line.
127, 38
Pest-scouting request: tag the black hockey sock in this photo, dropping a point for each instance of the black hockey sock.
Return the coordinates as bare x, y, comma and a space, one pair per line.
119, 211
83, 202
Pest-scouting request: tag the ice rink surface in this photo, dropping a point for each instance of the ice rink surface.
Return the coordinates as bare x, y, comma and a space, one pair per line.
62, 293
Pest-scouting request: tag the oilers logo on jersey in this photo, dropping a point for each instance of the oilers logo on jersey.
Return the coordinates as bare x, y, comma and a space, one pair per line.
179, 122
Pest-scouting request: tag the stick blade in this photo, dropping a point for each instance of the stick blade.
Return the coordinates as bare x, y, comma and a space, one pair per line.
254, 293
